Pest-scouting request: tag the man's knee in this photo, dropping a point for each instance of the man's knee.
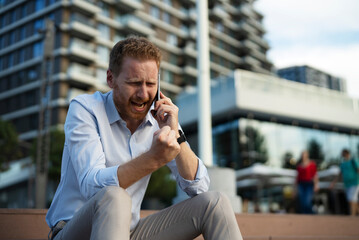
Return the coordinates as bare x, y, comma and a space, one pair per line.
115, 198
214, 199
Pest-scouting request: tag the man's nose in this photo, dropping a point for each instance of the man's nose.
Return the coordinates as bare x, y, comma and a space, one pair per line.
142, 91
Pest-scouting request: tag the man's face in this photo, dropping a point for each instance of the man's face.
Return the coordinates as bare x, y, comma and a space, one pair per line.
134, 89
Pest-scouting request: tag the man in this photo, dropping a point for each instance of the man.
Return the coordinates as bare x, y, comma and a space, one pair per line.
113, 144
349, 171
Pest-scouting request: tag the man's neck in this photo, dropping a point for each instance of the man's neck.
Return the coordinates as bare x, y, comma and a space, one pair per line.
133, 125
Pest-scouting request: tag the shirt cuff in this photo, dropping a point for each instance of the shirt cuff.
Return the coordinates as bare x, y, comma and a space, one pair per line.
199, 184
107, 176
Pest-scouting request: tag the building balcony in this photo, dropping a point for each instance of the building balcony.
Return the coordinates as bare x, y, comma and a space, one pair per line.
171, 67
81, 74
248, 44
85, 7
258, 40
224, 37
259, 55
246, 11
243, 27
218, 13
190, 71
132, 24
220, 69
82, 27
192, 15
189, 2
127, 6
178, 13
81, 51
251, 61
152, 22
74, 92
225, 54
259, 27
192, 33
190, 50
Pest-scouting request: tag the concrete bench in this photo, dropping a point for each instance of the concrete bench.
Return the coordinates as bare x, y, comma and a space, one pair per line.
30, 224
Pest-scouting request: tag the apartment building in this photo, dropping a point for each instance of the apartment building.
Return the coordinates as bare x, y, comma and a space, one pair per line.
85, 31
312, 76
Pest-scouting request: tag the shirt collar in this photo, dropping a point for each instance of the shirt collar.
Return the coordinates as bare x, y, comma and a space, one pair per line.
114, 116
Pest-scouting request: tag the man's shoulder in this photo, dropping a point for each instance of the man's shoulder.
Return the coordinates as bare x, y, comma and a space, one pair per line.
91, 100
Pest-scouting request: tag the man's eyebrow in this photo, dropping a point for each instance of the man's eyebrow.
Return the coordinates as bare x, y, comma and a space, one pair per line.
139, 80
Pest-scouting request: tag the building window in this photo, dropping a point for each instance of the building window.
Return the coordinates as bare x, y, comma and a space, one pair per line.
32, 75
103, 53
168, 76
173, 59
39, 5
155, 12
2, 21
104, 31
101, 75
166, 17
118, 37
39, 24
22, 33
168, 2
105, 9
172, 39
1, 42
11, 60
219, 27
24, 10
12, 16
37, 49
12, 37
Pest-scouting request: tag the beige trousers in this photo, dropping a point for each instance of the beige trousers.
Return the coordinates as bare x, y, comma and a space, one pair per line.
108, 215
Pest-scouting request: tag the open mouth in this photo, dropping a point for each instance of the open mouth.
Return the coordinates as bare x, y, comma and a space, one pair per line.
139, 106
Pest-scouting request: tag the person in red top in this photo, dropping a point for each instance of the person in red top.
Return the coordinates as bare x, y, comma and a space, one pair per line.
307, 183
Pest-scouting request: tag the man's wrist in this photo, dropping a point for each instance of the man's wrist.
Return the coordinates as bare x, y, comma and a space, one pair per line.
182, 138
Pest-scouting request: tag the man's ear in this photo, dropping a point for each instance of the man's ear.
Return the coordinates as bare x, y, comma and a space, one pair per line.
110, 79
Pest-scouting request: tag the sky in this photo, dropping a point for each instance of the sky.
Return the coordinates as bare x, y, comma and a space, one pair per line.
323, 34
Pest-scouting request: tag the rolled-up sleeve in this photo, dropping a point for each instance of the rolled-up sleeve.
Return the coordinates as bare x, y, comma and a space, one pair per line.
192, 187
85, 151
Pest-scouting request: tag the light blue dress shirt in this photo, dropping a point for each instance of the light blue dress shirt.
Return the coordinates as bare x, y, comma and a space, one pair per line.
97, 142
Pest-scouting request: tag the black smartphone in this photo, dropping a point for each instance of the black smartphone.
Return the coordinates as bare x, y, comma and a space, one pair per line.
159, 86
158, 95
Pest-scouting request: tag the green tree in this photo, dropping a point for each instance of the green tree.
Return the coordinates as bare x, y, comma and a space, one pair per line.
315, 152
57, 140
162, 186
9, 144
253, 147
289, 161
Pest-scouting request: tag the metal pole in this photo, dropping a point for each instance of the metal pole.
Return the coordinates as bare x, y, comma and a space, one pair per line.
203, 85
43, 138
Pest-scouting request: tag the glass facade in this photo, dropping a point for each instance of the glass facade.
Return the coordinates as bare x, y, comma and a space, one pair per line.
243, 142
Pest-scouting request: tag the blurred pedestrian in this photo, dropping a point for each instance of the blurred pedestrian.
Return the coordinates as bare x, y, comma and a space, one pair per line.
349, 172
307, 183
